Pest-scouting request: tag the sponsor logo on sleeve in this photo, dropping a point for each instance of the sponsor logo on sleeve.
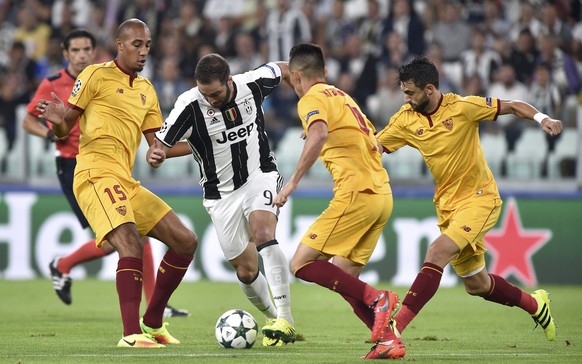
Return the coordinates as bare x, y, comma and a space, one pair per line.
310, 114
77, 88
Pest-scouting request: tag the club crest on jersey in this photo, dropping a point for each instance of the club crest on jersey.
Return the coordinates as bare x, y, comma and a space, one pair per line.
77, 88
248, 107
231, 114
143, 98
448, 123
122, 210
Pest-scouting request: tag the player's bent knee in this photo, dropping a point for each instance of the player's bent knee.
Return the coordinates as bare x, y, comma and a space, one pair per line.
184, 244
295, 265
190, 244
476, 290
246, 275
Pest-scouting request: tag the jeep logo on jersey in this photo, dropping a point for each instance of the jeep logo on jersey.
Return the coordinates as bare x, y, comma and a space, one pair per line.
233, 135
231, 114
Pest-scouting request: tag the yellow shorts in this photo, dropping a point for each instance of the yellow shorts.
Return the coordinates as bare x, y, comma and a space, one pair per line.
109, 200
350, 226
467, 225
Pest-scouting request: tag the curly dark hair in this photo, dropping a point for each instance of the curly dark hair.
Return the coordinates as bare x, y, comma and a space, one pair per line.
421, 71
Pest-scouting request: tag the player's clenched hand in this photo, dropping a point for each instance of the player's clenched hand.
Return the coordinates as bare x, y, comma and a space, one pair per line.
156, 155
552, 126
52, 111
284, 194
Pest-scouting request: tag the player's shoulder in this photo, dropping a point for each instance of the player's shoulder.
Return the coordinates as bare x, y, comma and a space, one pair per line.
310, 97
451, 99
97, 69
188, 97
101, 66
405, 114
266, 70
147, 81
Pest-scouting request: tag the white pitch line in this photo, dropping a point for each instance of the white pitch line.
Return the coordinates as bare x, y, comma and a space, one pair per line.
287, 354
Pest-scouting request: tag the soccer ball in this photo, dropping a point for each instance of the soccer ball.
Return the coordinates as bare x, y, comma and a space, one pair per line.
236, 329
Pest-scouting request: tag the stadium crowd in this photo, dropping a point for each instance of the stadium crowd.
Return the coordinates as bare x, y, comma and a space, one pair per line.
515, 49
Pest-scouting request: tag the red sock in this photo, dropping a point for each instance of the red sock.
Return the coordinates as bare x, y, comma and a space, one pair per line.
84, 253
422, 290
149, 275
129, 283
528, 303
336, 279
170, 274
507, 294
362, 310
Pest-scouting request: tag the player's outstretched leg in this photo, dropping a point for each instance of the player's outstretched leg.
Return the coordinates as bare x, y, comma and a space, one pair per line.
543, 316
61, 282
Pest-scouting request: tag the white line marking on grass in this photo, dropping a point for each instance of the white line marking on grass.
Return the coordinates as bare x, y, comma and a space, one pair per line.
494, 354
255, 354
143, 355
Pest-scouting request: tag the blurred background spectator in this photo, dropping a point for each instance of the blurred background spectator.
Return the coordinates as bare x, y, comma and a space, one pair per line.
17, 85
506, 86
287, 25
480, 59
168, 84
31, 32
334, 30
451, 31
402, 19
523, 56
387, 99
546, 95
528, 49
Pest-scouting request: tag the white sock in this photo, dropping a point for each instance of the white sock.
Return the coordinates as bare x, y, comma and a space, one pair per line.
258, 293
277, 274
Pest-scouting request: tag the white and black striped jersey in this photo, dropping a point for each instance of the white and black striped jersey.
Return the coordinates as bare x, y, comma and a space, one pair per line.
229, 143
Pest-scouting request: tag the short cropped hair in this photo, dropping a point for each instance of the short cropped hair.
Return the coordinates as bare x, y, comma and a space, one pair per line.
128, 24
212, 67
308, 59
78, 33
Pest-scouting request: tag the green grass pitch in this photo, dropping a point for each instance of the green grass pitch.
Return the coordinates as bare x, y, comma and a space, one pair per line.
453, 328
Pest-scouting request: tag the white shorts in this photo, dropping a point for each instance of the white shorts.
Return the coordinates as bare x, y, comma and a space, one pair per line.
230, 214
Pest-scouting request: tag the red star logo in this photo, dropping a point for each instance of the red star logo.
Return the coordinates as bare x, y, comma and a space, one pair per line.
511, 247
